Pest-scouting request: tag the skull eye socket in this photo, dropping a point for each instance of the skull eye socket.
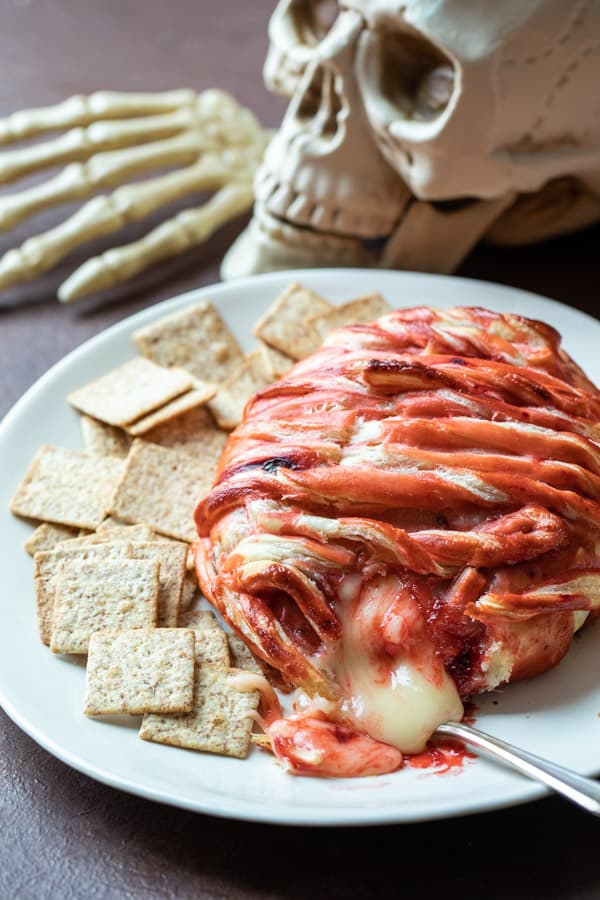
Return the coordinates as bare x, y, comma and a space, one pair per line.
411, 74
312, 19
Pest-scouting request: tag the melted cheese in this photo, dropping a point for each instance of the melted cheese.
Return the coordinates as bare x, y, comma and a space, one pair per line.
401, 704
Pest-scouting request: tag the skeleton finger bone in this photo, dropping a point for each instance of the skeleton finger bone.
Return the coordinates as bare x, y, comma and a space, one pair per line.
106, 214
218, 120
81, 110
188, 229
81, 143
112, 168
114, 138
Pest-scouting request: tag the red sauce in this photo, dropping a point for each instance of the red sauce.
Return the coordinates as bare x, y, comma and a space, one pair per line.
446, 757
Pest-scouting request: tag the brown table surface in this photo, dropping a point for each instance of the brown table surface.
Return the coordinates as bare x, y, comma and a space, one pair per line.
63, 835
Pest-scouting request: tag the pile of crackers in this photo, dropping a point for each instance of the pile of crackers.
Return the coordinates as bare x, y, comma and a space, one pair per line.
114, 573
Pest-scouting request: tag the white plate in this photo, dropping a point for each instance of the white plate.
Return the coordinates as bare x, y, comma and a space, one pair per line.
555, 715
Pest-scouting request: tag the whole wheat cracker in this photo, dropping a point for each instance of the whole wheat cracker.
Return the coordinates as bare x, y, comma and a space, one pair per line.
171, 556
94, 594
195, 338
47, 565
354, 312
140, 671
195, 431
212, 643
221, 720
111, 534
198, 396
227, 406
211, 647
285, 325
130, 391
241, 657
67, 487
46, 536
198, 619
161, 488
103, 439
189, 594
276, 364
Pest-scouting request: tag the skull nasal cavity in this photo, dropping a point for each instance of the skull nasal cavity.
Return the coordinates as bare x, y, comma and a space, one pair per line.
320, 102
415, 76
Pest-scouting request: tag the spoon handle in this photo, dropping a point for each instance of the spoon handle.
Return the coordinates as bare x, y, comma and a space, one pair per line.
585, 792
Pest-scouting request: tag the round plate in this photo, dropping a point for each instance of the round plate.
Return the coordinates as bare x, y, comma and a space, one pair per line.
555, 715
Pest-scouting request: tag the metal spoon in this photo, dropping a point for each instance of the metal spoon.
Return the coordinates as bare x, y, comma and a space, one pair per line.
585, 792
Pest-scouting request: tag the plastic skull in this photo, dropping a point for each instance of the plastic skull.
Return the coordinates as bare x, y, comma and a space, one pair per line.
416, 128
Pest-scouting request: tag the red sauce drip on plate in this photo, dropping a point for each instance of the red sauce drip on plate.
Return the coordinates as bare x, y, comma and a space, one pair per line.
444, 756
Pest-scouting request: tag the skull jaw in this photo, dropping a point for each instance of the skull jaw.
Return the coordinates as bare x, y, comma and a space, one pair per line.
425, 239
269, 244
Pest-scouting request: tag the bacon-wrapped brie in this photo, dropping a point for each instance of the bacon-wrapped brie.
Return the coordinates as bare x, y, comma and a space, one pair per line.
409, 517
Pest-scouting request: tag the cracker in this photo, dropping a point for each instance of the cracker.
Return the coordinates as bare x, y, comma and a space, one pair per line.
228, 404
189, 593
221, 720
131, 391
95, 594
112, 534
161, 488
211, 647
47, 565
195, 431
241, 657
354, 312
171, 556
195, 338
198, 619
105, 440
118, 531
198, 396
285, 324
46, 536
67, 487
276, 364
140, 671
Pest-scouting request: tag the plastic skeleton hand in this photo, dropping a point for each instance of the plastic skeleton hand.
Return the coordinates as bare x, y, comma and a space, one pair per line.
112, 139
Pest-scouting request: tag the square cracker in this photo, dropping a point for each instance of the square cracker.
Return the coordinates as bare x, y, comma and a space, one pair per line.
161, 488
92, 595
354, 312
195, 431
212, 647
189, 594
47, 536
198, 396
198, 619
285, 325
276, 364
220, 722
195, 338
67, 487
105, 440
112, 534
171, 556
228, 404
129, 392
140, 671
241, 657
47, 566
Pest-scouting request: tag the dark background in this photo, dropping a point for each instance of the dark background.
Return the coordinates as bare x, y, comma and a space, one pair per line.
63, 835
